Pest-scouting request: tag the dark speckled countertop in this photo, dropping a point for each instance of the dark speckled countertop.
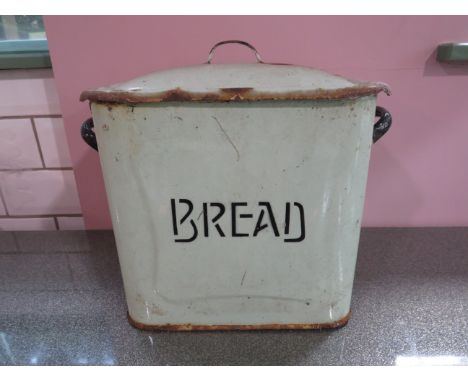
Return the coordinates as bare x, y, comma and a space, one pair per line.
62, 303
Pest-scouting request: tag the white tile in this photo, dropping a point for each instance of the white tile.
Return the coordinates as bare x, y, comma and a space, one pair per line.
53, 141
41, 192
28, 92
18, 146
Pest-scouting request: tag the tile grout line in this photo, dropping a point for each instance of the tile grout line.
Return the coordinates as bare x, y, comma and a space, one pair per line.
42, 216
37, 141
2, 199
31, 116
56, 223
35, 169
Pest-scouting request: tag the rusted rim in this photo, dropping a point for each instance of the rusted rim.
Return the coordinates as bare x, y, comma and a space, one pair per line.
189, 327
232, 95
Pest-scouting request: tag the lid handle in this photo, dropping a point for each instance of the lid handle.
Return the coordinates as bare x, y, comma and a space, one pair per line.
211, 54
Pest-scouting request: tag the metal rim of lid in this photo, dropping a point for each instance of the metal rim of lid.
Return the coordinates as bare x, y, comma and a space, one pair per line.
234, 95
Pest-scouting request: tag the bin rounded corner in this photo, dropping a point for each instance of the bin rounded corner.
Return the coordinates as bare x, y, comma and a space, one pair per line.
190, 327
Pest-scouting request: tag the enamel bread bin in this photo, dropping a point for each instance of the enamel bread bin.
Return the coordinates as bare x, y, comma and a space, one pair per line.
236, 192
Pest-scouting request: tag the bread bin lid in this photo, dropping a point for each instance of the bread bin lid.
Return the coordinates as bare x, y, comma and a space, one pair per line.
234, 83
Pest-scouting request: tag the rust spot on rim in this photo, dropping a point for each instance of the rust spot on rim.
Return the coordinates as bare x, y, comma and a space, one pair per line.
236, 94
233, 95
236, 90
189, 327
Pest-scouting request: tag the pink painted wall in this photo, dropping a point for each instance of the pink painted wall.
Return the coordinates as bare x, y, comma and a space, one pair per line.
418, 173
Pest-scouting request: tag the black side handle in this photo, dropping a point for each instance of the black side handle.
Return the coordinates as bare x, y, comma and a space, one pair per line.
383, 124
87, 133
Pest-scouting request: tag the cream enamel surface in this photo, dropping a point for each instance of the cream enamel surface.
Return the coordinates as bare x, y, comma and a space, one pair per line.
314, 153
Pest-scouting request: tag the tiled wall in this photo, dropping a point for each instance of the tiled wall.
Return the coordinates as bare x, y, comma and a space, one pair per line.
37, 184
